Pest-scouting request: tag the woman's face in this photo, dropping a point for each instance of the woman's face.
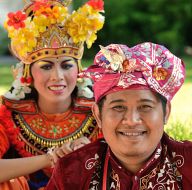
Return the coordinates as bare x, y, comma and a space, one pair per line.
55, 78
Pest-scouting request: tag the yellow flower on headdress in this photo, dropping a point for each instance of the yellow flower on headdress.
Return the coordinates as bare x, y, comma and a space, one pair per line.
41, 22
63, 15
24, 39
27, 29
84, 23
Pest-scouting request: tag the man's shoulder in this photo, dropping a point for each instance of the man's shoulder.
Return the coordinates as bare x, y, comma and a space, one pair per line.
177, 146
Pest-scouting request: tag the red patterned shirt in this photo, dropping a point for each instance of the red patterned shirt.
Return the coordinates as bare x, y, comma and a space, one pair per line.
169, 168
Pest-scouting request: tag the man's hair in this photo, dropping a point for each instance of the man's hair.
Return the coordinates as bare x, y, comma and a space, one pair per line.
162, 99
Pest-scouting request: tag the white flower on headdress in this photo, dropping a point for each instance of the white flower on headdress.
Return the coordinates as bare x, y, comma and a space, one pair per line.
19, 89
83, 88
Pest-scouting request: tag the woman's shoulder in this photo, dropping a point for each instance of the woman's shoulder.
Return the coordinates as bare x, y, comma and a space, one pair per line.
22, 106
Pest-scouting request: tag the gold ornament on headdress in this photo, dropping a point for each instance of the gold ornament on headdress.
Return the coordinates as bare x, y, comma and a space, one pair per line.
116, 59
45, 28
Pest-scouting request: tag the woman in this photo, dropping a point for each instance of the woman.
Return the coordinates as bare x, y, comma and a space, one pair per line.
43, 110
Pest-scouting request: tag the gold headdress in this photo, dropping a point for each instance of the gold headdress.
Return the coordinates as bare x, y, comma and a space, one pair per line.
45, 28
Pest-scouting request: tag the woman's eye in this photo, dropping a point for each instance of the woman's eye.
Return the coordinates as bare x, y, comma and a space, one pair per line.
46, 67
66, 66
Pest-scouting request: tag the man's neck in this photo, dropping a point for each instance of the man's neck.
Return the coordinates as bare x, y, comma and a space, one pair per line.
134, 163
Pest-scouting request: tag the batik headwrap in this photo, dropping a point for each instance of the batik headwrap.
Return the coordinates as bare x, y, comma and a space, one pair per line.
46, 28
146, 65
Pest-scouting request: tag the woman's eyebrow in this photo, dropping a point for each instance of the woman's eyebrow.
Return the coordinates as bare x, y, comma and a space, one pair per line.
44, 62
66, 60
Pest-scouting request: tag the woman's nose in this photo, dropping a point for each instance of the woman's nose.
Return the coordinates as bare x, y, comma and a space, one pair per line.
131, 118
57, 74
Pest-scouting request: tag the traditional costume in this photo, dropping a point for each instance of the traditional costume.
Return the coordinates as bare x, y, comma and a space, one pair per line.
118, 67
46, 29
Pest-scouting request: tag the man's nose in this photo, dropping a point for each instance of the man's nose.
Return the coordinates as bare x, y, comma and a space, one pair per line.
131, 118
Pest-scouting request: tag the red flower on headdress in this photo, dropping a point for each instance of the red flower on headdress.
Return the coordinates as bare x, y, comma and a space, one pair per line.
96, 4
17, 19
40, 5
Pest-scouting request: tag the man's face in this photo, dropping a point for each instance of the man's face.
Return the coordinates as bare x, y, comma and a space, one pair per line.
132, 122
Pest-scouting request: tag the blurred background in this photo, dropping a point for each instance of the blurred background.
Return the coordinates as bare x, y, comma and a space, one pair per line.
167, 22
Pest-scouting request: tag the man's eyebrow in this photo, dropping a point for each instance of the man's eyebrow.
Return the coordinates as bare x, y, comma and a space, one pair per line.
117, 101
147, 100
141, 100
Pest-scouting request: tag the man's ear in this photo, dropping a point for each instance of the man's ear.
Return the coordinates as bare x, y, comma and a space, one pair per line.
167, 112
96, 114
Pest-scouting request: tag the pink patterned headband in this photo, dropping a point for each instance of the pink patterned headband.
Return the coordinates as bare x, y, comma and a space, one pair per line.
117, 67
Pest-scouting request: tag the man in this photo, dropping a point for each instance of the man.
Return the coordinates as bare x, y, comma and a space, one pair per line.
133, 88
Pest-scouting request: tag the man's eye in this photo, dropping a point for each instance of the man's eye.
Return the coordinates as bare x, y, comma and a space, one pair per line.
145, 108
119, 108
66, 66
46, 67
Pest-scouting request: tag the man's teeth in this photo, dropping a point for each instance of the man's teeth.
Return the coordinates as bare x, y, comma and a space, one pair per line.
56, 87
133, 134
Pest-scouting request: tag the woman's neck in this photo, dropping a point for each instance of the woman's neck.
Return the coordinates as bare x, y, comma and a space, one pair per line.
54, 107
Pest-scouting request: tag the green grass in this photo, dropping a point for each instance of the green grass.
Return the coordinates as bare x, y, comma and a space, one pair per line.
180, 122
5, 78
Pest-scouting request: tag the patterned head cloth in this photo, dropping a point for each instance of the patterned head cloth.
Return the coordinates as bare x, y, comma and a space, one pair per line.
147, 65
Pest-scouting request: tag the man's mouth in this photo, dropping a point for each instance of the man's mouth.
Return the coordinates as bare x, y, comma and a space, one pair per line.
133, 134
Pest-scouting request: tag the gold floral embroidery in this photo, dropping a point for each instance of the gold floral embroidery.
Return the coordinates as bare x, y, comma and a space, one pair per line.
74, 122
166, 175
115, 177
55, 130
160, 73
38, 124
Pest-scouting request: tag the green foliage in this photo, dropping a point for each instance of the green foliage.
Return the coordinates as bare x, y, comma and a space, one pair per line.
188, 64
179, 130
131, 22
159, 21
5, 75
3, 42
